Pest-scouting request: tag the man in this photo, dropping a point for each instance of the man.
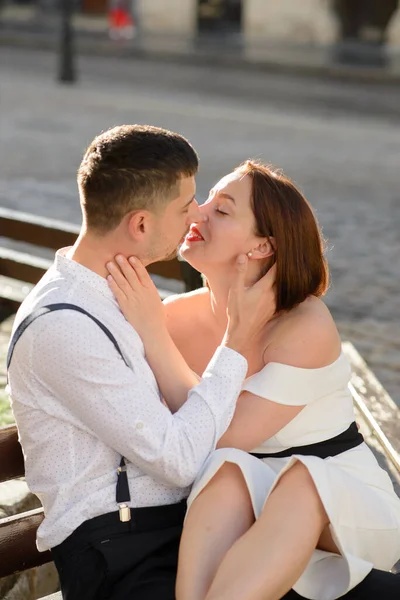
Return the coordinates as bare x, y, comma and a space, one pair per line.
108, 460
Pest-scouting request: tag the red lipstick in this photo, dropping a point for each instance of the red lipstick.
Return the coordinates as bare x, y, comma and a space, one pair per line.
194, 235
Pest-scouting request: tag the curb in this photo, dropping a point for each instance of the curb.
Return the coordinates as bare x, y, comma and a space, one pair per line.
193, 56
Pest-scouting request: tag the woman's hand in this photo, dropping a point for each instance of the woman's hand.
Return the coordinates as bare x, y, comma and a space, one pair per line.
141, 305
137, 296
249, 309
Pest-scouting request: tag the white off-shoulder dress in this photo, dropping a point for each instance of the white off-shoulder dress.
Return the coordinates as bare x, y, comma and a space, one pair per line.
358, 496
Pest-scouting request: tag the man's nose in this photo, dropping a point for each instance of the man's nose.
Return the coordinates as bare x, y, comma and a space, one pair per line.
195, 214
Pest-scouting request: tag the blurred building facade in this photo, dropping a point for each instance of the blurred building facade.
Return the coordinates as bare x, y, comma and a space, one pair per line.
308, 21
368, 22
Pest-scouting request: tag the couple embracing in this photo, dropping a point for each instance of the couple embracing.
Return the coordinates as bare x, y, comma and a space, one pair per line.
204, 448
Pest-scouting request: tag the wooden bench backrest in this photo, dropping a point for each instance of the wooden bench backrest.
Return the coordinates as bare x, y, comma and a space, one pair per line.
51, 234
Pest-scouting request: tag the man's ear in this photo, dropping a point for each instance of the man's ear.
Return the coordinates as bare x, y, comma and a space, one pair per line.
139, 223
265, 249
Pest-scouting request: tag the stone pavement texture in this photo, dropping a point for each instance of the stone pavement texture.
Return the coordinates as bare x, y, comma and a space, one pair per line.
339, 141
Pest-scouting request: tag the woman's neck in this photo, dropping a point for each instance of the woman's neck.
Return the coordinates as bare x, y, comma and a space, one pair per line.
220, 283
219, 291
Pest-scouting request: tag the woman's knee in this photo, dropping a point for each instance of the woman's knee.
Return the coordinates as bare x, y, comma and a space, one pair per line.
297, 475
229, 487
298, 482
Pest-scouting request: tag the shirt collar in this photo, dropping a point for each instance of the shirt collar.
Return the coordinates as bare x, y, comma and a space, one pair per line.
81, 274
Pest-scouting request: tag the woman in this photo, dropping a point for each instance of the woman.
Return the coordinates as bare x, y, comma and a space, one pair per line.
293, 497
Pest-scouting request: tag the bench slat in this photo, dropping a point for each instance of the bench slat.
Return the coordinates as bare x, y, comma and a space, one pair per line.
170, 269
18, 551
29, 268
13, 289
22, 266
40, 231
53, 234
12, 459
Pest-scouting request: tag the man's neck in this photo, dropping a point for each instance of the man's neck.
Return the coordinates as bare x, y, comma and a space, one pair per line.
94, 252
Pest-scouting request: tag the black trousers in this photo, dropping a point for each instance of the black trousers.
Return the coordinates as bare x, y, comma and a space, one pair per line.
104, 559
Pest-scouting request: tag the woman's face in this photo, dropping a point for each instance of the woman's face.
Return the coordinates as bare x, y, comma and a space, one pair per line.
225, 227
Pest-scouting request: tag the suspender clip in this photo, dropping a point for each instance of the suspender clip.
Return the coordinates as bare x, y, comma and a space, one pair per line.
124, 513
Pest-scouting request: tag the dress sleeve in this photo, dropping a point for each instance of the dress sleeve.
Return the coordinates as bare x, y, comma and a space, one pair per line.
294, 386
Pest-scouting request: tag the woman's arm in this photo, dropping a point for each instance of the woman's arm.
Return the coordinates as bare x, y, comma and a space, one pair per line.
141, 305
249, 309
174, 376
255, 421
308, 339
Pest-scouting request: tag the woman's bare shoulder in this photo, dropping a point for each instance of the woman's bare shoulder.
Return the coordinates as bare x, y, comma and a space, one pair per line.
187, 299
305, 337
181, 305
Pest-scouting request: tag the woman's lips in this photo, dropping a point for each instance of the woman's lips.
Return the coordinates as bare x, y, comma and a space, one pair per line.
194, 235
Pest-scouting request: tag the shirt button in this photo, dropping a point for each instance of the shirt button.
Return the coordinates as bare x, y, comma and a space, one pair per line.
139, 425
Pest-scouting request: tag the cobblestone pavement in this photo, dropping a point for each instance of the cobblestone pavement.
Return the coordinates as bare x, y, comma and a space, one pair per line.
340, 143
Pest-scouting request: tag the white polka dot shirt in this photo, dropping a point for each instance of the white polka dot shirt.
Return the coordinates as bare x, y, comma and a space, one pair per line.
79, 408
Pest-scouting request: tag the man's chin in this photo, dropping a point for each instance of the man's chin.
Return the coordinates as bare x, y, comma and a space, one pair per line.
171, 255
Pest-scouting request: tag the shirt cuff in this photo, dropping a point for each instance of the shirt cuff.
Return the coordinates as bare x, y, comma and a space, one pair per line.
221, 385
225, 362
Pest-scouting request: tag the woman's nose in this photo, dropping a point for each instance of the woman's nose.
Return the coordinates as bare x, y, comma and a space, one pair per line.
199, 215
202, 217
202, 213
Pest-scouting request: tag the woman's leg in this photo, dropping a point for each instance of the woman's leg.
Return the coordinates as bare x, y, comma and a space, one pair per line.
268, 560
219, 515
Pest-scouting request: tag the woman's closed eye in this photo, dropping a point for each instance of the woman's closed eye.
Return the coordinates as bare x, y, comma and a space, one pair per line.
221, 212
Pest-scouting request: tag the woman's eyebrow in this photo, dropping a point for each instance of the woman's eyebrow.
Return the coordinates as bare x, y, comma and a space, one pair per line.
227, 196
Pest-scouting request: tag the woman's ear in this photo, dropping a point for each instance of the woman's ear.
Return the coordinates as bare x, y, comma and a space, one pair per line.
263, 250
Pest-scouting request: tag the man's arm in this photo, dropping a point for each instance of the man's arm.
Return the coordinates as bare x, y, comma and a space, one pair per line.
120, 406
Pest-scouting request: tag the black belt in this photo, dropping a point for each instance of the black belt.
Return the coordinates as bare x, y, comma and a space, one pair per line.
340, 443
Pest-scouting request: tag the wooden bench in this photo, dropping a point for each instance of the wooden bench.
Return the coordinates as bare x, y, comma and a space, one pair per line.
18, 550
20, 269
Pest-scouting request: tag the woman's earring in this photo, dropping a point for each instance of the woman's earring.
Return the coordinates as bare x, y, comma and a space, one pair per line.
249, 254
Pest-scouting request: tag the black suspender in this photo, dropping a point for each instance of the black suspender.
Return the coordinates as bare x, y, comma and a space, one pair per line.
122, 490
44, 310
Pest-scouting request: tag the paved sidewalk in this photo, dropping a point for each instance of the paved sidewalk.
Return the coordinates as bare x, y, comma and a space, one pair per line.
26, 27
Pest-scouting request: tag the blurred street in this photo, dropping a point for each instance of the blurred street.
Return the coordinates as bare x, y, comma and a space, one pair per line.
339, 141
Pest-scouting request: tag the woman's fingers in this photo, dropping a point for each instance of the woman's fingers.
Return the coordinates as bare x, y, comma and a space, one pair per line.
141, 271
120, 280
116, 290
128, 271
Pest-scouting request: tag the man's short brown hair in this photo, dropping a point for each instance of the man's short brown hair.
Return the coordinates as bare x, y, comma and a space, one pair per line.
131, 167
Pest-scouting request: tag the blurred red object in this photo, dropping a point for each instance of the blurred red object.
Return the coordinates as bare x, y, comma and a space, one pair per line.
121, 24
119, 17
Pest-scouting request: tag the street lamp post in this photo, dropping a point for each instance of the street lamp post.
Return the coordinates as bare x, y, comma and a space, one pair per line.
66, 72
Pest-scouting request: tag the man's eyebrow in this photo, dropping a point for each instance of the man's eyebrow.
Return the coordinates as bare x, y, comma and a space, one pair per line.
227, 196
190, 201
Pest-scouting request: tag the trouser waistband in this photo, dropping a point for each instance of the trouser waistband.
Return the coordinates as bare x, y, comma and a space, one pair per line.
142, 519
